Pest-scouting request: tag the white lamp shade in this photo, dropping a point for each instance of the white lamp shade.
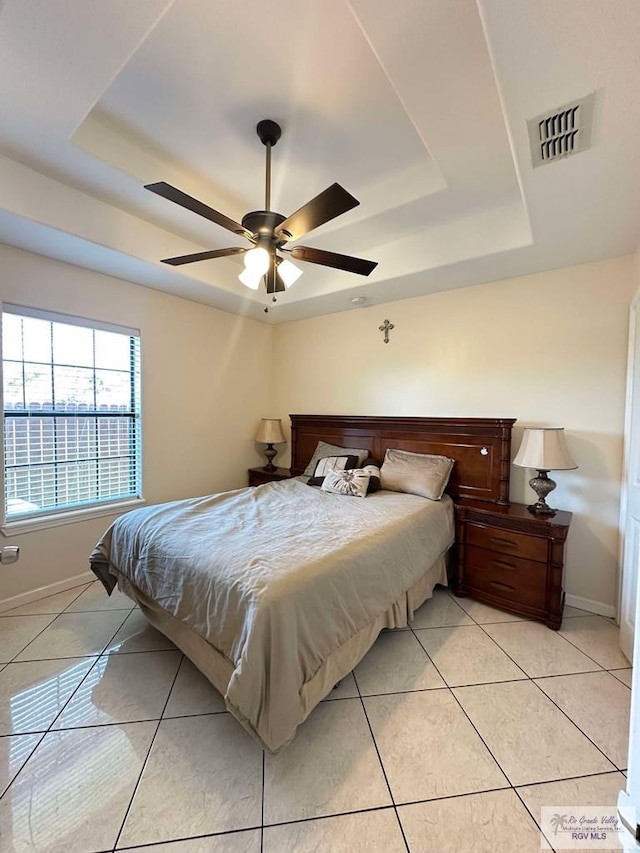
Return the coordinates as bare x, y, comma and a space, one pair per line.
289, 272
270, 432
257, 260
544, 449
250, 278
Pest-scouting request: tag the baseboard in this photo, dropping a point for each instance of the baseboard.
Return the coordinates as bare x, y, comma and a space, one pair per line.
43, 591
592, 606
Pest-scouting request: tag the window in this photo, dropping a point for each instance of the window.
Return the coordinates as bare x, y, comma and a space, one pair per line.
71, 413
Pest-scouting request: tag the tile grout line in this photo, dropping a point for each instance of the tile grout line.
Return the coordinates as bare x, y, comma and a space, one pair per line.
146, 759
65, 612
224, 833
149, 844
511, 786
7, 613
466, 715
262, 808
48, 730
560, 675
48, 625
113, 723
446, 686
601, 751
94, 655
528, 810
557, 633
384, 772
571, 643
28, 758
88, 673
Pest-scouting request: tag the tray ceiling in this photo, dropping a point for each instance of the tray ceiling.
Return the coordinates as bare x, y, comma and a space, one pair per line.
418, 108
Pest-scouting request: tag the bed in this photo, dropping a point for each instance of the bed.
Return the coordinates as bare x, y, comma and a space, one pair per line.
276, 593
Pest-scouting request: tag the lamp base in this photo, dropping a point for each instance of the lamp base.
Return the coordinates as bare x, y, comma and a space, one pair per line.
270, 452
542, 485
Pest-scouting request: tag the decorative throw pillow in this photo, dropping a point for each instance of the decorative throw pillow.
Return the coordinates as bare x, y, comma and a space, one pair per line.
374, 477
415, 473
324, 449
330, 463
352, 482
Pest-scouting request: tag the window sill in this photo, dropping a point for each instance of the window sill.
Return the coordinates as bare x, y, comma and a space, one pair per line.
73, 516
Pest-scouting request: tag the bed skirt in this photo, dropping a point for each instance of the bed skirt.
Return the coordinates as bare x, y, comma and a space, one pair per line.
218, 669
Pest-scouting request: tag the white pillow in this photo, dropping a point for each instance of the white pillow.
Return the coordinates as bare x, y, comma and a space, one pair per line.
415, 473
352, 482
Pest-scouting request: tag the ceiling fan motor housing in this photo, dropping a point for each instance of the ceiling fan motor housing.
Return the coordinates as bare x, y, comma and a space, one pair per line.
263, 223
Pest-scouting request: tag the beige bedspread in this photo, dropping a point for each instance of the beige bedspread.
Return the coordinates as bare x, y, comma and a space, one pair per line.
276, 579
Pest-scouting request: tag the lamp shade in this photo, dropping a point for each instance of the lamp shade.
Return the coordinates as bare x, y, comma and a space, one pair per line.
544, 449
270, 431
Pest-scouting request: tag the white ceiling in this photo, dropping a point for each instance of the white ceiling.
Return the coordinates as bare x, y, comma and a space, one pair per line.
417, 107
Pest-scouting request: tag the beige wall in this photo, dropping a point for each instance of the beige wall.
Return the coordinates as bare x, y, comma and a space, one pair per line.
549, 349
205, 385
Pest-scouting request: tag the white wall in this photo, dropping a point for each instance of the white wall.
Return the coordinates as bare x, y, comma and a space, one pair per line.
549, 349
205, 385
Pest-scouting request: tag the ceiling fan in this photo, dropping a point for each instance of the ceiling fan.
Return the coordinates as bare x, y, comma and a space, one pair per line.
269, 232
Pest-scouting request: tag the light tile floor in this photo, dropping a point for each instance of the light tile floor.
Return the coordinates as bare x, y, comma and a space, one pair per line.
449, 736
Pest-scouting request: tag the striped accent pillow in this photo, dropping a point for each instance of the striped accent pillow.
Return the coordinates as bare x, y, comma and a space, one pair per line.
324, 449
331, 463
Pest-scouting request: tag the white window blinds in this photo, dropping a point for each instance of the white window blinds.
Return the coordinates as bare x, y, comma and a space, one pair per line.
71, 413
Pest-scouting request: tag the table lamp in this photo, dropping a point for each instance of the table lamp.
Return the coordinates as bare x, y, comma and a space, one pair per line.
270, 433
544, 449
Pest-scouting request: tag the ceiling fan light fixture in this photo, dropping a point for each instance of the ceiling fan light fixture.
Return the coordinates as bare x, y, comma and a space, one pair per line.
269, 230
289, 272
257, 260
250, 278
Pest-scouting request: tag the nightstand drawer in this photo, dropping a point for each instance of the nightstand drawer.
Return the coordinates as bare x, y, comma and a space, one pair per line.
511, 578
508, 542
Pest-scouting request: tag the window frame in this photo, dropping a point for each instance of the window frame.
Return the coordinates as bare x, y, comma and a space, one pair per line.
74, 512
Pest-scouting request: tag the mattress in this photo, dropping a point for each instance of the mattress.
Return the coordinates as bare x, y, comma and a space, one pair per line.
285, 584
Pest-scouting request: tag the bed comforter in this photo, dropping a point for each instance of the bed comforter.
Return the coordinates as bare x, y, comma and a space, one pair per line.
276, 579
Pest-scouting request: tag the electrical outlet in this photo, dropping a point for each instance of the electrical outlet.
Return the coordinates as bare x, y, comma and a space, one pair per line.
9, 554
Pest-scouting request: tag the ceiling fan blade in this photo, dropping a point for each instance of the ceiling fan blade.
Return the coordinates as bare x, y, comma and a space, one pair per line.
173, 194
332, 259
203, 256
332, 202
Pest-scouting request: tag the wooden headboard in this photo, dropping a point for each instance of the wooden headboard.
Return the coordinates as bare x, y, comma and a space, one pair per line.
480, 446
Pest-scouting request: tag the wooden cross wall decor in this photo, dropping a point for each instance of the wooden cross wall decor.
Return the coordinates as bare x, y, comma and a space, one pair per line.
386, 327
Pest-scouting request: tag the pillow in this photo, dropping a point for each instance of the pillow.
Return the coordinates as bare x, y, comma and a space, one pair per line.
328, 464
353, 482
324, 449
374, 477
415, 473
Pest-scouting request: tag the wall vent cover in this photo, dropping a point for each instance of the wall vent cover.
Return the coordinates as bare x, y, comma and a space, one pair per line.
561, 132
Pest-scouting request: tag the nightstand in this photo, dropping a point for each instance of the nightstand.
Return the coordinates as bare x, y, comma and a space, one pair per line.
510, 558
258, 476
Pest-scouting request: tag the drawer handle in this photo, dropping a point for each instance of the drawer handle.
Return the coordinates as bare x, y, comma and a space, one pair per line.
502, 586
502, 564
508, 543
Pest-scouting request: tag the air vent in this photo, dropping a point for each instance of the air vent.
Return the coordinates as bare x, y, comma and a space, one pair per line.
561, 132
